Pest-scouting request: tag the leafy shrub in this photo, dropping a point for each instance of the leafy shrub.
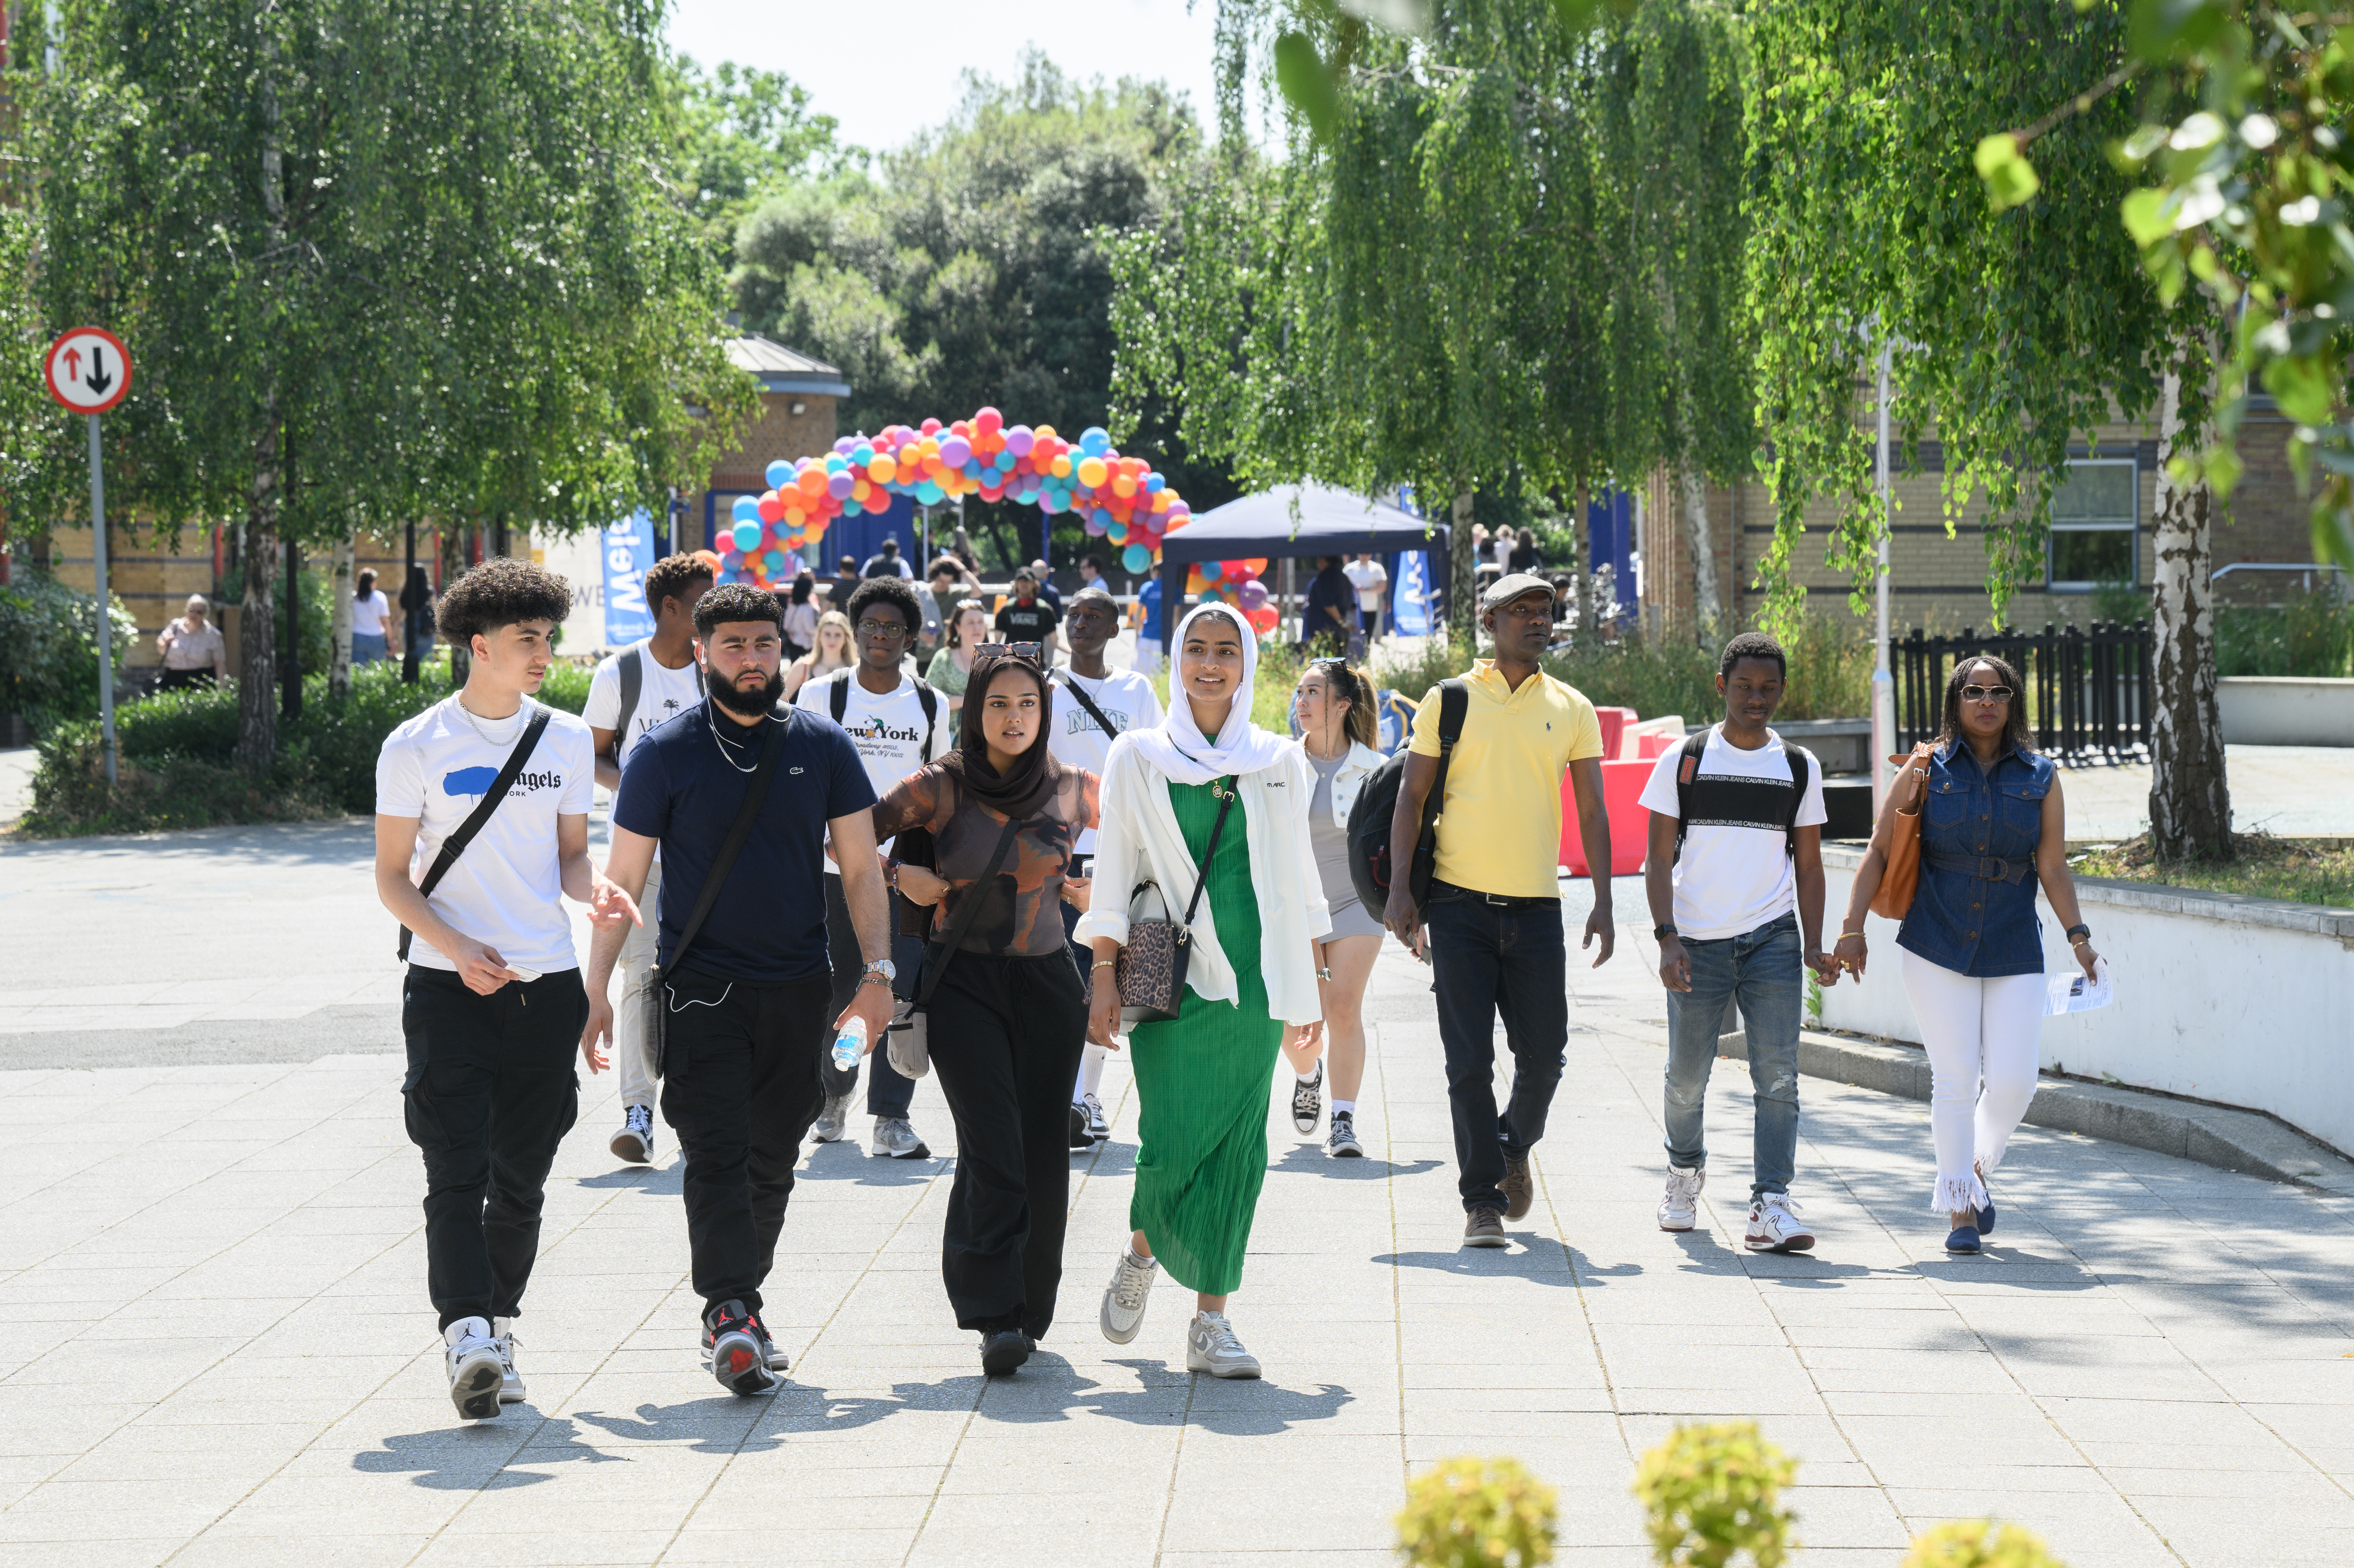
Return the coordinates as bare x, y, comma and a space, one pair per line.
1476, 1513
2310, 634
48, 648
1978, 1544
1714, 1492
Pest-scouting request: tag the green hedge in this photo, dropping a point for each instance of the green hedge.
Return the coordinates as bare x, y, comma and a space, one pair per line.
179, 748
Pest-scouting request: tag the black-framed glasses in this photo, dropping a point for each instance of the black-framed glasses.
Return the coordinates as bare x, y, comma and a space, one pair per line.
871, 627
1032, 654
1975, 694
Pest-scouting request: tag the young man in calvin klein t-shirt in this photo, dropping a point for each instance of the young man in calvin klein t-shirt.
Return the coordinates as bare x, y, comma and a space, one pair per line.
1738, 912
493, 1002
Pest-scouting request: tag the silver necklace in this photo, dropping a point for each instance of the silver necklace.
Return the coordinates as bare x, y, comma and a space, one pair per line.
458, 702
710, 721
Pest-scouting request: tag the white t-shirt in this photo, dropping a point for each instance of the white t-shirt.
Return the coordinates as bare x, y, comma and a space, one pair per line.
369, 615
1369, 579
888, 728
662, 695
1077, 741
506, 890
1735, 873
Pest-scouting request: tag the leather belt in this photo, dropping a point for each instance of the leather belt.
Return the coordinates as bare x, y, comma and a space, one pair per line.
1499, 900
1985, 868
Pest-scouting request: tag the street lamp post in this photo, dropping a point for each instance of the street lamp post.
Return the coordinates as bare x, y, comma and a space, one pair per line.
1884, 681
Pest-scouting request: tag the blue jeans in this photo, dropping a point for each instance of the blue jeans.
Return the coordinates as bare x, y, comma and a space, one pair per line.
367, 647
1487, 958
1763, 971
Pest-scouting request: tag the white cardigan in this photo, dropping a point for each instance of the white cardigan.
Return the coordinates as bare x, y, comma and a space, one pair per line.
1140, 841
1349, 777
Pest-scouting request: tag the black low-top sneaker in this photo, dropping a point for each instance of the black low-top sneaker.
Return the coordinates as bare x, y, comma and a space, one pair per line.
739, 1350
1004, 1349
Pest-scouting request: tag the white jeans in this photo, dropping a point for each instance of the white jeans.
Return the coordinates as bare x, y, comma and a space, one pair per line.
636, 968
1983, 1037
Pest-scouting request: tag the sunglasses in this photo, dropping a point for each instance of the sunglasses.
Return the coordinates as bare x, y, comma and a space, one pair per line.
1031, 653
1986, 694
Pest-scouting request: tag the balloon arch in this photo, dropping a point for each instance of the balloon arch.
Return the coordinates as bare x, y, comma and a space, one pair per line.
1117, 497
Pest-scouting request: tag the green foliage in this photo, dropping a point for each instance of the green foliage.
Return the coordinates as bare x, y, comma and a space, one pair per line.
48, 648
744, 134
1978, 1544
2259, 866
1713, 1493
1476, 1513
2311, 634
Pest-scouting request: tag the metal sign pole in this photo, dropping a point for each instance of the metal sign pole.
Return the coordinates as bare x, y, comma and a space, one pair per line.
105, 620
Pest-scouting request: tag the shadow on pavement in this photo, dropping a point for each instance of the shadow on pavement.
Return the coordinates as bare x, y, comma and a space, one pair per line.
1543, 1263
481, 1455
1309, 1159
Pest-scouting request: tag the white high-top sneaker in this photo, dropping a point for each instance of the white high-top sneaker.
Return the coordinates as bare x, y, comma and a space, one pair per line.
1680, 1201
510, 1380
476, 1370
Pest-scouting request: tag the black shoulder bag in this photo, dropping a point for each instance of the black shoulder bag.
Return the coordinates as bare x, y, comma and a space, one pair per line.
455, 844
910, 1033
657, 991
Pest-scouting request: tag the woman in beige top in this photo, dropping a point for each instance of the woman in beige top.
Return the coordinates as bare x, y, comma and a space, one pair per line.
194, 654
833, 651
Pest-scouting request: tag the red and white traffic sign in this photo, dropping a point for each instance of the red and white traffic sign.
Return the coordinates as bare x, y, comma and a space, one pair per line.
89, 370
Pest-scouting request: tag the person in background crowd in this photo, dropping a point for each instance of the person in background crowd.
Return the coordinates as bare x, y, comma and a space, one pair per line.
668, 683
897, 724
951, 667
491, 1002
1047, 589
833, 652
370, 612
1994, 827
1027, 617
943, 587
1334, 707
1092, 574
1152, 638
1099, 705
1329, 619
1008, 1018
951, 579
846, 580
1494, 911
193, 651
1371, 581
1736, 898
747, 1012
886, 561
1526, 557
417, 610
1202, 1079
1503, 544
801, 611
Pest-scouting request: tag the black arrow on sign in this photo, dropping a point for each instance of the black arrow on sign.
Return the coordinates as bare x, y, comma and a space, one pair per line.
98, 380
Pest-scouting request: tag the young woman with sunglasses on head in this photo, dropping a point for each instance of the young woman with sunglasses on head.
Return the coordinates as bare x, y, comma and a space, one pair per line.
1203, 1077
1008, 1018
1993, 828
1334, 707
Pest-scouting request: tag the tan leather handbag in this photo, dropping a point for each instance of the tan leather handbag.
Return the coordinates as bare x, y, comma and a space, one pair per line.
1901, 874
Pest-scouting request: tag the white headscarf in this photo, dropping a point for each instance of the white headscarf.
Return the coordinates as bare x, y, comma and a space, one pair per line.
1176, 745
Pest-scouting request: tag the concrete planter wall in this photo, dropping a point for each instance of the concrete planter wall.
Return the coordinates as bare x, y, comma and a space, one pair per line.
2286, 710
2243, 1002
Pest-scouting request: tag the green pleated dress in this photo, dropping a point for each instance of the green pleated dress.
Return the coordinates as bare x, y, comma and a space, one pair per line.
1203, 1080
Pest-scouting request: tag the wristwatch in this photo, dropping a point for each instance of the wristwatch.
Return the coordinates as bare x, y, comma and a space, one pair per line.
2078, 933
1661, 933
882, 969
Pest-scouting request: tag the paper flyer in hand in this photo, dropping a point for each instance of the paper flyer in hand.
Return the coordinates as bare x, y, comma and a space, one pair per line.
2069, 992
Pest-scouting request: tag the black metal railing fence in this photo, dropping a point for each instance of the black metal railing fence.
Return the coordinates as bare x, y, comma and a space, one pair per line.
2088, 688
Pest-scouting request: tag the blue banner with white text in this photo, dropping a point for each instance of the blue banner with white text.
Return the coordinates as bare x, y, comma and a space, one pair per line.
628, 555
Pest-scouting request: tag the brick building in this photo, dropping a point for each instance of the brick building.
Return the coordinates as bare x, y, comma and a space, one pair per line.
799, 397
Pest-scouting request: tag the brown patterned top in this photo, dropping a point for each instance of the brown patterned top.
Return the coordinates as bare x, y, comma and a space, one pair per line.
1021, 913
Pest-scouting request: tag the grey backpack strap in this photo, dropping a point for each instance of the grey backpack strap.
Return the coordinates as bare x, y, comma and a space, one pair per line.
631, 668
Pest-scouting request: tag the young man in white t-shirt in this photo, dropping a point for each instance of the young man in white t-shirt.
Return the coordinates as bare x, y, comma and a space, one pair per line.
1371, 581
898, 724
1737, 896
1126, 701
493, 1005
667, 683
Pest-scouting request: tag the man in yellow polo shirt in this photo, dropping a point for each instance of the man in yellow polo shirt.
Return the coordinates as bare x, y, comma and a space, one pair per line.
1492, 919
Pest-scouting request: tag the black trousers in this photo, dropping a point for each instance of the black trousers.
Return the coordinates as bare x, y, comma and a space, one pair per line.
887, 1093
1491, 959
489, 1093
740, 1087
1005, 1037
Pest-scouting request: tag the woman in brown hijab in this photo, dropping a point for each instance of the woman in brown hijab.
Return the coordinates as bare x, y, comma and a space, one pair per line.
1009, 1017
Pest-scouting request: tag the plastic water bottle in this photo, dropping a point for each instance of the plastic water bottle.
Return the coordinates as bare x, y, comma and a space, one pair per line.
850, 1045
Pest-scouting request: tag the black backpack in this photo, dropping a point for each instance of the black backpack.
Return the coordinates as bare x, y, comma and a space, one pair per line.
1370, 818
1688, 768
838, 704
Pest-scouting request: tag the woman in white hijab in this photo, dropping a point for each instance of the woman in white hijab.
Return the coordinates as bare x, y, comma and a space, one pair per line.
1203, 1078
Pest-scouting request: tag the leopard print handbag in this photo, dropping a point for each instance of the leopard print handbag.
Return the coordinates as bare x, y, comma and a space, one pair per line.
1150, 971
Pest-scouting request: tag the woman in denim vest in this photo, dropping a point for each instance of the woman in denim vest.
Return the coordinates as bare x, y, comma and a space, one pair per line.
1993, 828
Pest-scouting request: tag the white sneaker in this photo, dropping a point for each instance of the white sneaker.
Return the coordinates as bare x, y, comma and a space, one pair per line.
1681, 1200
510, 1380
1774, 1225
896, 1139
1308, 1099
1098, 1127
832, 1120
1211, 1347
635, 1141
1123, 1299
475, 1370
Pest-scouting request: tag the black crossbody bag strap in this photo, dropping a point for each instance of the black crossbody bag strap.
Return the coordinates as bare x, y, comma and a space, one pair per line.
1096, 714
959, 925
738, 831
455, 844
1202, 877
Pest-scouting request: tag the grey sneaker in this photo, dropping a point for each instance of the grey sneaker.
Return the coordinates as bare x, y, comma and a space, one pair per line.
1307, 1102
894, 1140
1341, 1143
1098, 1129
510, 1380
1123, 1299
475, 1370
1484, 1227
635, 1141
1211, 1347
1678, 1206
832, 1120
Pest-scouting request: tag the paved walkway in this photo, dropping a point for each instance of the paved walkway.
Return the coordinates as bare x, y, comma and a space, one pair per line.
2295, 791
218, 1349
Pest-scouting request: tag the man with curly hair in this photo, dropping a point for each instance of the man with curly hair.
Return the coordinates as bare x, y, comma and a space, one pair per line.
493, 1001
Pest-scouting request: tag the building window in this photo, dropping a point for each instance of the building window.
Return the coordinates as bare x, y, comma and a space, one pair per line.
2095, 525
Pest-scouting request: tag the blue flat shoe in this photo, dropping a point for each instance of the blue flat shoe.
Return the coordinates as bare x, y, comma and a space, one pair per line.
1985, 1217
1964, 1240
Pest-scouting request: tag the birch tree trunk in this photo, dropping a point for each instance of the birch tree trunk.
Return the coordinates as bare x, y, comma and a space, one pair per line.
1708, 607
1462, 579
1581, 596
2189, 798
257, 702
339, 662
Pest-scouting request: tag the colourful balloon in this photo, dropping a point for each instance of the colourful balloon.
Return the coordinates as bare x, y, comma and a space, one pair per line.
747, 533
1136, 557
1253, 594
780, 474
769, 508
745, 509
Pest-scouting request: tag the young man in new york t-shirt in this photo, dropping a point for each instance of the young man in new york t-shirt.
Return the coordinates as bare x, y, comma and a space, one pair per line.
492, 1001
1736, 897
